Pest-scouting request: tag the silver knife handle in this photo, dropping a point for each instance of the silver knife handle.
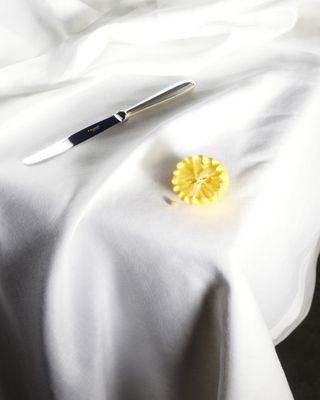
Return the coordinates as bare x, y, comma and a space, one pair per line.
160, 97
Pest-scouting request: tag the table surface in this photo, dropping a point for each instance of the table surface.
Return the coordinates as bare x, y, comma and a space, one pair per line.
106, 290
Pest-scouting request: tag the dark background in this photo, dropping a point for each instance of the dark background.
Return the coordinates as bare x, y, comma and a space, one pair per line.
300, 353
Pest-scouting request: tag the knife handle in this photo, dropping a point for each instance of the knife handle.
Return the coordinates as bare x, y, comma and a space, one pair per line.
160, 97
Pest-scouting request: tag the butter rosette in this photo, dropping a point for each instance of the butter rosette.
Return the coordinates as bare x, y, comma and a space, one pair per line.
199, 179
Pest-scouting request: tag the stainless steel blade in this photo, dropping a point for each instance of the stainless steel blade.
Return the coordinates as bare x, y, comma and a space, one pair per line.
75, 139
49, 152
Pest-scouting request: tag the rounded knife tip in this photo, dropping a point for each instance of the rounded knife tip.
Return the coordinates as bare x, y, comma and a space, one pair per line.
27, 161
189, 83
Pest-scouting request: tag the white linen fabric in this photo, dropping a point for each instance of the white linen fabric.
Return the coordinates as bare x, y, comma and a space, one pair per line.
108, 292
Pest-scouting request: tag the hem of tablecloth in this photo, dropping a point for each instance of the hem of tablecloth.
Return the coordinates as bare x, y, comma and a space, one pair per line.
302, 301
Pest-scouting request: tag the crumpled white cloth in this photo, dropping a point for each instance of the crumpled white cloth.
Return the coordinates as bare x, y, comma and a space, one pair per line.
107, 292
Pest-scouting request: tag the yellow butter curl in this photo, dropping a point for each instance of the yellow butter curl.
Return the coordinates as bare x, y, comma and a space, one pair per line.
200, 180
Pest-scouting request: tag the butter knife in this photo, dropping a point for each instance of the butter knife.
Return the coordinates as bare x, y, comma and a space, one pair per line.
117, 118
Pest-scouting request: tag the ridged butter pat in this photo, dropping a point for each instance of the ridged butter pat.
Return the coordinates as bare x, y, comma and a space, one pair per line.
199, 179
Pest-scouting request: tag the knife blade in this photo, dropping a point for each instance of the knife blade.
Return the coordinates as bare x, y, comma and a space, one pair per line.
118, 118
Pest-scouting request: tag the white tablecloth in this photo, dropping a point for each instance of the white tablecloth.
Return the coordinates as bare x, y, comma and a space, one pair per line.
108, 292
